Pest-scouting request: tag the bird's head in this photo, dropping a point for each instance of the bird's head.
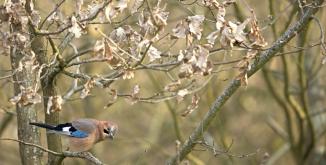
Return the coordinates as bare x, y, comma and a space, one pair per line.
110, 129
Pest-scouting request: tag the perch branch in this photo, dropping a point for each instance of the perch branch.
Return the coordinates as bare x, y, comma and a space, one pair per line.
83, 155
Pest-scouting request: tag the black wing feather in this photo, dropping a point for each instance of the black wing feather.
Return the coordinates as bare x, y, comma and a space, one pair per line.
61, 126
55, 128
43, 125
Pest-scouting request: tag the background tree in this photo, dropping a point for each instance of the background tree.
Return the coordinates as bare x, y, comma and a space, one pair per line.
169, 60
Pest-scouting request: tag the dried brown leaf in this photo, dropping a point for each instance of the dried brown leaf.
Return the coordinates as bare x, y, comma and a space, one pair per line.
160, 16
172, 87
154, 54
194, 105
75, 28
27, 96
114, 8
182, 92
181, 30
195, 23
98, 48
255, 35
87, 88
128, 74
54, 104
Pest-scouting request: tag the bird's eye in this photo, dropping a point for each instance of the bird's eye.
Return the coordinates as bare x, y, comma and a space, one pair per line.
106, 131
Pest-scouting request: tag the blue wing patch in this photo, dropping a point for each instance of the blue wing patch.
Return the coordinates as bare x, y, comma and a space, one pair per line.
79, 134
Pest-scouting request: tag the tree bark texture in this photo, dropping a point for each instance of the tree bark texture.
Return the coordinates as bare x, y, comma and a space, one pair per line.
24, 78
48, 89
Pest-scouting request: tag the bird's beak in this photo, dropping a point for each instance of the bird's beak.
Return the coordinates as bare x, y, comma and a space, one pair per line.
112, 132
111, 136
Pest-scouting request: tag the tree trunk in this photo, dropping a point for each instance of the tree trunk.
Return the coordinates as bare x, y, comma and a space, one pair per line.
48, 88
28, 78
24, 78
54, 140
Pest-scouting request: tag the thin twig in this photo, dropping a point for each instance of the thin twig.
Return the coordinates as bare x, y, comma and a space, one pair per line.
89, 18
218, 152
54, 10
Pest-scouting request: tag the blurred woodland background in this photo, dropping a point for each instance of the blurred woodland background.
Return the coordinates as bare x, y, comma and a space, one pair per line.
277, 116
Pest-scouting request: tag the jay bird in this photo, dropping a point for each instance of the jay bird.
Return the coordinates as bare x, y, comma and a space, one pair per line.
83, 133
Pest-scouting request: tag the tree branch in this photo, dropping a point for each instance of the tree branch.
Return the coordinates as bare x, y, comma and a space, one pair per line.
83, 155
235, 84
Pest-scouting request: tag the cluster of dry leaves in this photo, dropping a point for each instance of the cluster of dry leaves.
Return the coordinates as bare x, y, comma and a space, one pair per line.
132, 47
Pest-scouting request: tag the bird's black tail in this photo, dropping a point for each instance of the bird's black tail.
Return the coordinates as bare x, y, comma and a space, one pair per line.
43, 125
